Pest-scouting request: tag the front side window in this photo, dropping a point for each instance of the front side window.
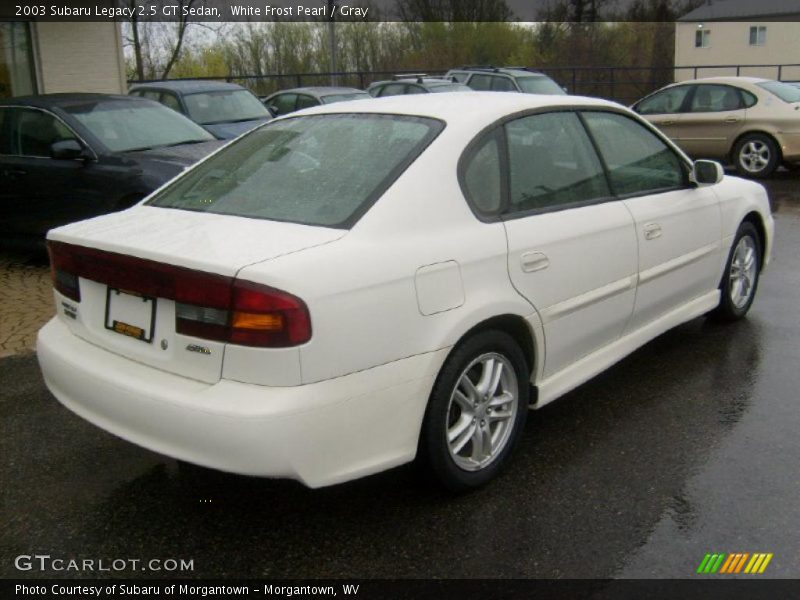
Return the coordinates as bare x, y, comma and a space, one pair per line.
125, 126
637, 160
224, 106
481, 83
758, 35
35, 131
702, 38
283, 103
552, 163
314, 170
715, 98
668, 101
304, 101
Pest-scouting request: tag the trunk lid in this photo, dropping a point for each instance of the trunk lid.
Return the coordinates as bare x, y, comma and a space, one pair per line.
129, 321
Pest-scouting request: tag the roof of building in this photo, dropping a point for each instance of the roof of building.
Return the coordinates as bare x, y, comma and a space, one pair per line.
727, 10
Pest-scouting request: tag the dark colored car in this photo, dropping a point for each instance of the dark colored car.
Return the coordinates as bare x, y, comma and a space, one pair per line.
286, 101
226, 110
505, 79
415, 85
67, 157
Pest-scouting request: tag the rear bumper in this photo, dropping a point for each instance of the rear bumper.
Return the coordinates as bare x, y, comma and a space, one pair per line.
320, 434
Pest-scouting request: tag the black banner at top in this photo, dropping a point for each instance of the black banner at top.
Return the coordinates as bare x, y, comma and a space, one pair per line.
219, 11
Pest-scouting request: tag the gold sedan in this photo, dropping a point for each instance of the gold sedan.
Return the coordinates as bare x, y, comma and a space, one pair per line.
750, 122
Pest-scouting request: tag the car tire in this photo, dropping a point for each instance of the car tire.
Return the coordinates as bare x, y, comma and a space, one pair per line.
740, 278
476, 411
756, 155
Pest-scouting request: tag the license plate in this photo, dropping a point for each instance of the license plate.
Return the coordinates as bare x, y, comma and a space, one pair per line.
130, 314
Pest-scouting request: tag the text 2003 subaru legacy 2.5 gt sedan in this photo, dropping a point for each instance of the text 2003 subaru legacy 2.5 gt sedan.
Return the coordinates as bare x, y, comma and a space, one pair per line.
356, 285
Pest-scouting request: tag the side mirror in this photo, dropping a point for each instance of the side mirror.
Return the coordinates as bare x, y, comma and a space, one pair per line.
707, 172
67, 150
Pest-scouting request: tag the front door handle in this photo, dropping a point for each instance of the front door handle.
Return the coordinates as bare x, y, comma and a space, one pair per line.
652, 231
665, 122
534, 261
732, 120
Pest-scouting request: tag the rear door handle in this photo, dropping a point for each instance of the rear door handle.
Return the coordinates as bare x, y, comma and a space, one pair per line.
732, 120
534, 261
15, 172
652, 231
666, 122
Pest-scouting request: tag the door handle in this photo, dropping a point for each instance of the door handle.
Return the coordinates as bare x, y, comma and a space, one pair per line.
14, 172
652, 231
732, 120
667, 122
534, 261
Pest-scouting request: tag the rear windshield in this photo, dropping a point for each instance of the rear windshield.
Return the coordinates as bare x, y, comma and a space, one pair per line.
314, 170
539, 85
784, 91
208, 108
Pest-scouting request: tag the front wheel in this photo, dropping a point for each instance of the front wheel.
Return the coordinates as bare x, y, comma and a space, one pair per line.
476, 411
740, 279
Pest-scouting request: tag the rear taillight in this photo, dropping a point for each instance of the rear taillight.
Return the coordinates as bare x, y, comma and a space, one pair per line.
207, 305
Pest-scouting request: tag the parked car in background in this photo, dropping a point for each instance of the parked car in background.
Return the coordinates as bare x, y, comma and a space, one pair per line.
750, 122
415, 85
343, 291
67, 157
287, 101
226, 110
505, 79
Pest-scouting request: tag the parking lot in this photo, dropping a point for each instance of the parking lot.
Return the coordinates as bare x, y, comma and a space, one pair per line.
688, 446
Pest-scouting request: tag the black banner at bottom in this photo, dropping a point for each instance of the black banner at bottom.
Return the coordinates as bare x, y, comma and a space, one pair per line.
367, 589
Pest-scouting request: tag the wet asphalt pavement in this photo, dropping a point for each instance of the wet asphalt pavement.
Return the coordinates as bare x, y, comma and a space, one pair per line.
690, 445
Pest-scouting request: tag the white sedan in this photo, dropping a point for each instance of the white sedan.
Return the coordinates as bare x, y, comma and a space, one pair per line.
358, 285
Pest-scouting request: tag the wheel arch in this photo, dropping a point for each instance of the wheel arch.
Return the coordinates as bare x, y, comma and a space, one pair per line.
757, 221
518, 328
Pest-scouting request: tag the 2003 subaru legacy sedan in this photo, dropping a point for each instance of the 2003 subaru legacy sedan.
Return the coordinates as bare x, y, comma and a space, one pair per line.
356, 285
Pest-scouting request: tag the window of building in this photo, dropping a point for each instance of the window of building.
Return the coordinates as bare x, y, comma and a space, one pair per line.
758, 35
16, 60
702, 38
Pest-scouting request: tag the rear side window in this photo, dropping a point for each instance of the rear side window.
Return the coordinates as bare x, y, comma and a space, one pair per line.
715, 98
503, 84
285, 103
481, 175
392, 89
552, 163
637, 160
316, 170
170, 100
304, 101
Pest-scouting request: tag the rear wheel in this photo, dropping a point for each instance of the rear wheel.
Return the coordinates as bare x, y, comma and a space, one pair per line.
740, 280
476, 411
756, 155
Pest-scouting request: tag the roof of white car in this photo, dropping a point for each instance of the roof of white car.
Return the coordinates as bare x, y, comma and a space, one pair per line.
483, 107
724, 79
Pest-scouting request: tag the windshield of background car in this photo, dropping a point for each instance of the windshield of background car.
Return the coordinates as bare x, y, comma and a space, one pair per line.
224, 106
330, 99
317, 170
539, 85
784, 91
137, 125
